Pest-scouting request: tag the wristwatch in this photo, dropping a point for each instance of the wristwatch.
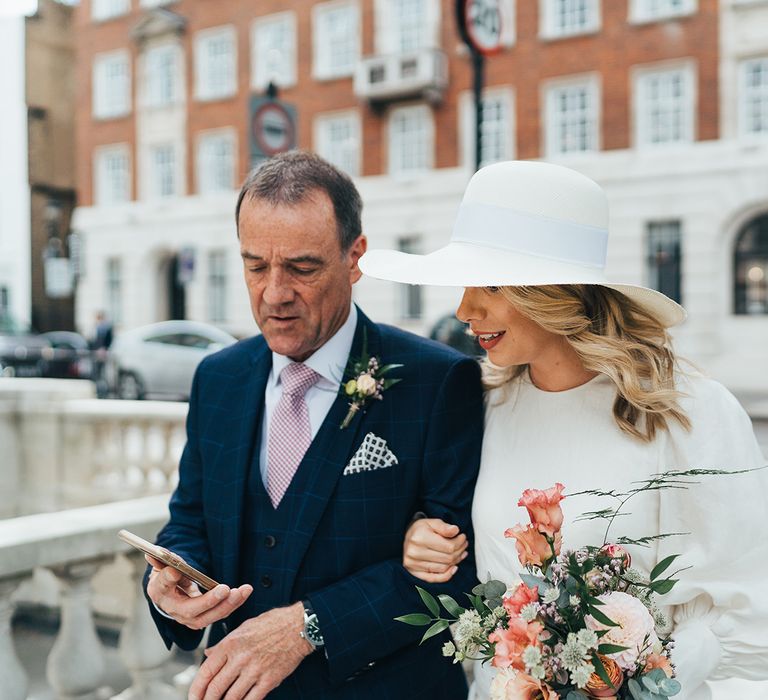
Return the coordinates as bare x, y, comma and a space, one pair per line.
311, 631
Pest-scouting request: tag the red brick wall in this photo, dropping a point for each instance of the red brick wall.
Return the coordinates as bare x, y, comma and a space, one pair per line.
611, 52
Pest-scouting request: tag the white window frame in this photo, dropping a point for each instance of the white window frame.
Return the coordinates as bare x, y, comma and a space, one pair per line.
322, 42
743, 95
156, 184
151, 74
202, 168
113, 288
102, 10
324, 147
217, 290
386, 36
261, 74
644, 11
641, 126
394, 160
107, 104
104, 193
506, 95
155, 3
206, 89
547, 16
551, 131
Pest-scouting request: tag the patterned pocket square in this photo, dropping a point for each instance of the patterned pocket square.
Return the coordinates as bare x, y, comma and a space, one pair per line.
372, 454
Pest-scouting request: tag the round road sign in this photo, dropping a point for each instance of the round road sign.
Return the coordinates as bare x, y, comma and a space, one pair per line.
273, 128
483, 23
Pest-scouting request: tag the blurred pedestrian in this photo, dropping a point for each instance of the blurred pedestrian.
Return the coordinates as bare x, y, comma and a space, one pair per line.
102, 340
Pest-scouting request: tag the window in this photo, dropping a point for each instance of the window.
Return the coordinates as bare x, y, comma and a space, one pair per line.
572, 118
215, 64
411, 136
497, 137
750, 261
113, 175
217, 286
154, 3
336, 39
114, 291
111, 85
406, 26
753, 96
273, 51
337, 139
649, 10
664, 107
216, 162
106, 9
160, 76
664, 259
410, 294
163, 164
561, 18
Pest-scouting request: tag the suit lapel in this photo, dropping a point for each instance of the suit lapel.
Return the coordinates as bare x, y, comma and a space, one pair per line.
329, 453
248, 406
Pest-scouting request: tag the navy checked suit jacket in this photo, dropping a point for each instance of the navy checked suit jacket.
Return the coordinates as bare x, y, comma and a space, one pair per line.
344, 549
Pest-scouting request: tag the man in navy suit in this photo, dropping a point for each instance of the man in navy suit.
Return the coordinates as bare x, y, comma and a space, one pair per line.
302, 520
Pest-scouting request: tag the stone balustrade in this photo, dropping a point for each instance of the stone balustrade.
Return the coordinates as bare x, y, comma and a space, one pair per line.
75, 544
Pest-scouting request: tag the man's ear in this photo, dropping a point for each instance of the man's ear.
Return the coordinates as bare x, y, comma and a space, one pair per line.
355, 252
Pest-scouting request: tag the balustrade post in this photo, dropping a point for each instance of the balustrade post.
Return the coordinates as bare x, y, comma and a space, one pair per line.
141, 647
12, 674
76, 665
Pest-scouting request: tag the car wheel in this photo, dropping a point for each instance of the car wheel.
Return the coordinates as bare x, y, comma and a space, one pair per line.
129, 387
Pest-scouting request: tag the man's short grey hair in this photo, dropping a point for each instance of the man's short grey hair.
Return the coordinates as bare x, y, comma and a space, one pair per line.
292, 177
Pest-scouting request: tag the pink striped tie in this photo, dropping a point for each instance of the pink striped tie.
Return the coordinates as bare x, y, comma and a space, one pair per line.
290, 433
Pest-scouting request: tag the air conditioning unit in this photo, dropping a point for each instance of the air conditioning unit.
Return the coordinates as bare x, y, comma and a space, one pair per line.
401, 76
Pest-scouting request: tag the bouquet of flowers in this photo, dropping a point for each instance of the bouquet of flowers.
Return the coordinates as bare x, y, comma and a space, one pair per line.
581, 624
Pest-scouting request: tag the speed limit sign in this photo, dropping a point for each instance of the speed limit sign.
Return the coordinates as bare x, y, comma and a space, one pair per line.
483, 23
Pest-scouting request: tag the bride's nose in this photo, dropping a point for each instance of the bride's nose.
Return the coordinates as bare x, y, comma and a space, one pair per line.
469, 309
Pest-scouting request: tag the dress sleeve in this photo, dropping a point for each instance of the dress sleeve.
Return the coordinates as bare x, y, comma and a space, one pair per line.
719, 607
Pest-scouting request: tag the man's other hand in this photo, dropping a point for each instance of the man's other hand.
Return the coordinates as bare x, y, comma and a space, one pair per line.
181, 599
255, 658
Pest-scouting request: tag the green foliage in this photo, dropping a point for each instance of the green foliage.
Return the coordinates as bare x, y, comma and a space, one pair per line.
437, 628
429, 600
415, 619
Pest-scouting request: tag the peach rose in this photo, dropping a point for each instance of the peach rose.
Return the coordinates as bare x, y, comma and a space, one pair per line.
597, 688
616, 551
544, 508
509, 684
511, 642
523, 595
532, 547
659, 661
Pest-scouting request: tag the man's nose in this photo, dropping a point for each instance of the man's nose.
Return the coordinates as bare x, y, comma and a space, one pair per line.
278, 289
468, 309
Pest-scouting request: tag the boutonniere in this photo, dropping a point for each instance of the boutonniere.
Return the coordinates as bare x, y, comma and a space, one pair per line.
368, 382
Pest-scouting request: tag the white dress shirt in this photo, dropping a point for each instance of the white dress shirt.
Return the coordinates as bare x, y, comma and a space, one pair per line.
329, 361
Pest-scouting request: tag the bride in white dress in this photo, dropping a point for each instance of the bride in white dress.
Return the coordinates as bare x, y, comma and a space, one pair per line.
585, 389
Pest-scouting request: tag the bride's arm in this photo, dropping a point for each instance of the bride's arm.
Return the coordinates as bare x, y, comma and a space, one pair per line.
432, 549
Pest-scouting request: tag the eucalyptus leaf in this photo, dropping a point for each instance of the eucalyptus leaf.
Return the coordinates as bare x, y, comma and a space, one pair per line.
669, 686
415, 619
429, 601
450, 605
437, 628
493, 603
649, 683
637, 690
532, 581
576, 695
495, 589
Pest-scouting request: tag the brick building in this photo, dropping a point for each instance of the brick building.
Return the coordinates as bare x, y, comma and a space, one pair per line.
664, 102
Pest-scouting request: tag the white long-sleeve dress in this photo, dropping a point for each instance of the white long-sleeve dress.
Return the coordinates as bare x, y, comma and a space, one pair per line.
719, 609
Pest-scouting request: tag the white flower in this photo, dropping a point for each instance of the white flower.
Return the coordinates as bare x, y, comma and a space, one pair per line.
588, 638
551, 595
574, 600
468, 627
366, 385
449, 649
537, 672
499, 685
528, 612
635, 627
573, 654
531, 656
581, 675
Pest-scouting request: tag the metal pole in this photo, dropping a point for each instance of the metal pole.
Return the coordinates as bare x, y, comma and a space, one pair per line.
478, 65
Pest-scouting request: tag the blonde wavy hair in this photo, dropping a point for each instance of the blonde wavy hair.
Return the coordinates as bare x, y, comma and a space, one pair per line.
614, 336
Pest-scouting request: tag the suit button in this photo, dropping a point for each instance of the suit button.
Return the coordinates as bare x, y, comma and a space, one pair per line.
269, 541
266, 581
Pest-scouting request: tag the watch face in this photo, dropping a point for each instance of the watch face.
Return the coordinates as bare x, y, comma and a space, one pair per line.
312, 631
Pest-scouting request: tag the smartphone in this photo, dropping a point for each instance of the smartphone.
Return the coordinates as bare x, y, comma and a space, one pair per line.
167, 557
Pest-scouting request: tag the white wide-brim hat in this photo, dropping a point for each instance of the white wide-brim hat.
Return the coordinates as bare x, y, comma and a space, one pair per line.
522, 223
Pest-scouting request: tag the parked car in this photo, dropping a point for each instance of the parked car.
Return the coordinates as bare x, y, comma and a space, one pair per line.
71, 357
160, 359
449, 330
22, 354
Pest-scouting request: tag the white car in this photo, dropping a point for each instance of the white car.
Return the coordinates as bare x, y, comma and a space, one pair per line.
159, 360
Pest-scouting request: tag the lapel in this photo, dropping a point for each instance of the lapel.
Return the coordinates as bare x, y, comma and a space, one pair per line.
329, 453
248, 407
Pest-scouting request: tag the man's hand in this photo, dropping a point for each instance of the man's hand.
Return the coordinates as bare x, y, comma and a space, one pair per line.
180, 598
255, 658
433, 549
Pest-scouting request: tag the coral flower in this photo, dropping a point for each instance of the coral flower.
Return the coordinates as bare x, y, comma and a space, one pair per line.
512, 642
532, 547
523, 595
544, 508
597, 688
515, 685
659, 661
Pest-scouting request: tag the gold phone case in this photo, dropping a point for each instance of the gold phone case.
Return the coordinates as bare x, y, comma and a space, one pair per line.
167, 557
